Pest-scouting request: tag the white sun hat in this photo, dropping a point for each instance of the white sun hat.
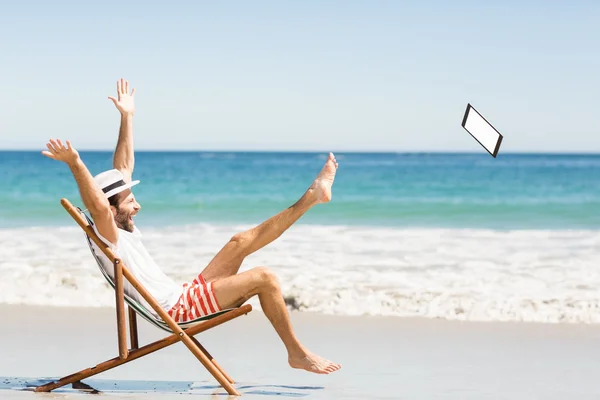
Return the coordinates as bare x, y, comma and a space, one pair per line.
112, 182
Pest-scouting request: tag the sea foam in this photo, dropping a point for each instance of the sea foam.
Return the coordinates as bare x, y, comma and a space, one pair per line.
458, 274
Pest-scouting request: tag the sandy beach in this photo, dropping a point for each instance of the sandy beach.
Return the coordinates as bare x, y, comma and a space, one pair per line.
382, 357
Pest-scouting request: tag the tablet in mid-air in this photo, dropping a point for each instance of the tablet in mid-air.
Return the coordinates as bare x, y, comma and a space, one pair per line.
482, 131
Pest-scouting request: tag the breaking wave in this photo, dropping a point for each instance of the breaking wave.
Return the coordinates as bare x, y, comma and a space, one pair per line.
458, 274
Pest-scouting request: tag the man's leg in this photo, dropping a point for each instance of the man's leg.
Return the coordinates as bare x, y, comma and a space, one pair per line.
228, 261
237, 289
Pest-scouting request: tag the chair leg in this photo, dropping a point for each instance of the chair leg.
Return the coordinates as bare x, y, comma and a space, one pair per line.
120, 306
212, 360
133, 331
145, 350
205, 361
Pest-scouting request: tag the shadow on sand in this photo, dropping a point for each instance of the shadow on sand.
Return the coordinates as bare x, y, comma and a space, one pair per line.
96, 386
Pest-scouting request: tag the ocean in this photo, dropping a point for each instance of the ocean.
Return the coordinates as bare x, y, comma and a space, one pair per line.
453, 236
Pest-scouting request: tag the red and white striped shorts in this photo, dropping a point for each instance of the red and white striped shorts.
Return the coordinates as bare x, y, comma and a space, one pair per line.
197, 300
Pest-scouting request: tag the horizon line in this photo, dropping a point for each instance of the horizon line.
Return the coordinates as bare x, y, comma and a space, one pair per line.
574, 152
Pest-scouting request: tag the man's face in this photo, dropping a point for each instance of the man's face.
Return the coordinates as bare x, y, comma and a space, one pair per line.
128, 207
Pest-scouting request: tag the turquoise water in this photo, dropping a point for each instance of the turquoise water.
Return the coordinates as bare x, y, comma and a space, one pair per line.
531, 253
513, 191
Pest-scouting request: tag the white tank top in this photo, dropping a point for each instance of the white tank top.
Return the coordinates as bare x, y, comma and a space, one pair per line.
138, 261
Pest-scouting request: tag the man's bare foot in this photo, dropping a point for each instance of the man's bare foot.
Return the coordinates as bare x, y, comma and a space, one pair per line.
321, 187
314, 363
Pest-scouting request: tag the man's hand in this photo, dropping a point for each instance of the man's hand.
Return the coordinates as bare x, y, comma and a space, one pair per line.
124, 101
59, 152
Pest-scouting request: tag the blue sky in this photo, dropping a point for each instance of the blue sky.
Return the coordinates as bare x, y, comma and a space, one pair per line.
310, 75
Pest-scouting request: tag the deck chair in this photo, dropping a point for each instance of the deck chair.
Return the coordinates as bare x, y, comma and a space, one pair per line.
183, 332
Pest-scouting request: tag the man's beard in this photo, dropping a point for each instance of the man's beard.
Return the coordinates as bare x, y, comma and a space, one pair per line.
123, 221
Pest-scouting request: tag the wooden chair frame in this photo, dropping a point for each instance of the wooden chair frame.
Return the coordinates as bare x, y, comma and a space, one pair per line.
179, 333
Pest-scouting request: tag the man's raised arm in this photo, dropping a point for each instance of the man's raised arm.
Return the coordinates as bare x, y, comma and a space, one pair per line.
91, 194
123, 159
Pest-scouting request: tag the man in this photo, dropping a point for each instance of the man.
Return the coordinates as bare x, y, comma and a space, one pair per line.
110, 201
